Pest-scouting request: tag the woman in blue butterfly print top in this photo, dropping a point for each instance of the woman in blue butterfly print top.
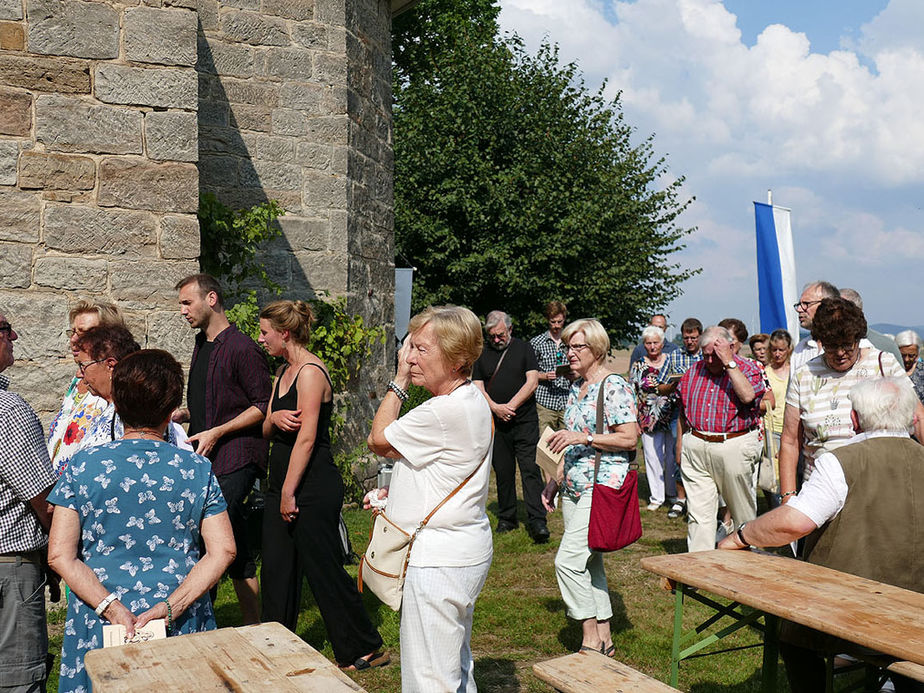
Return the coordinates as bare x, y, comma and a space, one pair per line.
130, 517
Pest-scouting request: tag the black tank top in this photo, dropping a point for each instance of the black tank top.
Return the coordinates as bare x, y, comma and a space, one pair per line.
284, 441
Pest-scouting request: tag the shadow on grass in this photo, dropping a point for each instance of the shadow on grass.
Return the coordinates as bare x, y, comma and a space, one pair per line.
674, 545
496, 675
570, 636
751, 685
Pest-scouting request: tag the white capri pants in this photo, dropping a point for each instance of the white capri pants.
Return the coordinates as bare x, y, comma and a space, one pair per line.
580, 572
436, 628
659, 450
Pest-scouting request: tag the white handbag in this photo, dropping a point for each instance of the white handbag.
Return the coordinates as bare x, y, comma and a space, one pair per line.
384, 563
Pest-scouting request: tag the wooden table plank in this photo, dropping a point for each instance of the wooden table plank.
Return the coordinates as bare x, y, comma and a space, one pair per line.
592, 672
883, 617
251, 658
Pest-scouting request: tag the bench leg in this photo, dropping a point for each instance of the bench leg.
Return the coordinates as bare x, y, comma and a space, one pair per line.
771, 653
678, 633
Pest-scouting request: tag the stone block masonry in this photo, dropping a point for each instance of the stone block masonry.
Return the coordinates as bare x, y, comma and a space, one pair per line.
116, 114
98, 185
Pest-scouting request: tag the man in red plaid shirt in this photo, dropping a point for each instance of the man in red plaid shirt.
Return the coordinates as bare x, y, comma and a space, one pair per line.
719, 447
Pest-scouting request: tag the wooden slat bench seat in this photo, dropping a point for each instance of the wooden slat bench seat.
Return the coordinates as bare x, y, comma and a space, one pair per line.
592, 672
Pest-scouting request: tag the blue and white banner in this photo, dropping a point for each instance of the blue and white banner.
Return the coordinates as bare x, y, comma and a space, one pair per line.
776, 270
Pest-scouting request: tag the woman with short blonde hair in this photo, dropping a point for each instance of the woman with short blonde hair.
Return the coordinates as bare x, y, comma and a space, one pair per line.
436, 447
80, 407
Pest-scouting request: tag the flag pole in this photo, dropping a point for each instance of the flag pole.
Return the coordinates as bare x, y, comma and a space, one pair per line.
769, 197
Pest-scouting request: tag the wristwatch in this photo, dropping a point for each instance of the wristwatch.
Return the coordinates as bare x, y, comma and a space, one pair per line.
590, 438
731, 365
741, 535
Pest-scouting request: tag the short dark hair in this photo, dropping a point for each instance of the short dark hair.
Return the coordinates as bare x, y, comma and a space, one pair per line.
206, 283
146, 387
838, 323
553, 308
108, 342
691, 325
736, 327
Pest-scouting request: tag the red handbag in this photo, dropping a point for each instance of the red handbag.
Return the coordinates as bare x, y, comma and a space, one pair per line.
615, 518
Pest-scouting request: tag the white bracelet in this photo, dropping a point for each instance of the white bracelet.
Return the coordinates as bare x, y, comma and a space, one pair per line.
103, 605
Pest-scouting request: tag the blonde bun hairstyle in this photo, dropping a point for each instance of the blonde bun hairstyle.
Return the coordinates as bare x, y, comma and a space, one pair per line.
294, 316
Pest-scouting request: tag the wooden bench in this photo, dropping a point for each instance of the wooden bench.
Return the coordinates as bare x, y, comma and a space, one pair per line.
592, 672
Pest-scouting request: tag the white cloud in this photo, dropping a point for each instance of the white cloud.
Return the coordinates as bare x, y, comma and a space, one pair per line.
831, 133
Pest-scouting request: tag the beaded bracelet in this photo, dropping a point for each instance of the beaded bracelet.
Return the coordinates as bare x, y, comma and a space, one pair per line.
169, 616
402, 394
788, 493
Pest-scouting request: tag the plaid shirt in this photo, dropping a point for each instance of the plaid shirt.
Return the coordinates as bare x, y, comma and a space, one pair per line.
551, 394
25, 472
709, 401
678, 362
238, 378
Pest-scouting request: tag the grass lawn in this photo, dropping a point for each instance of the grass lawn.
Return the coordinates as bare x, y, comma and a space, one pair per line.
520, 617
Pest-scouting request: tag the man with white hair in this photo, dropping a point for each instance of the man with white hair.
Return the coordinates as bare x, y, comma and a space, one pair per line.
507, 372
719, 447
861, 511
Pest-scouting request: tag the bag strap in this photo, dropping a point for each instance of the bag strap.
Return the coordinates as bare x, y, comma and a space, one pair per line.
496, 368
881, 372
458, 488
599, 428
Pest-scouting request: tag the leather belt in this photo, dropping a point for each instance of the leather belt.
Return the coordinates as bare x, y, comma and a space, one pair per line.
720, 437
27, 557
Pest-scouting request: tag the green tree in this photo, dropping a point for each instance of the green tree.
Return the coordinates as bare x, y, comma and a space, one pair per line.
515, 185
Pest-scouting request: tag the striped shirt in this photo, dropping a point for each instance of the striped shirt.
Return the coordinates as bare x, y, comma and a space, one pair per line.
551, 394
820, 395
709, 401
25, 472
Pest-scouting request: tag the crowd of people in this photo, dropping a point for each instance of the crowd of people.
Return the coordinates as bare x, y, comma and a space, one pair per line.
141, 517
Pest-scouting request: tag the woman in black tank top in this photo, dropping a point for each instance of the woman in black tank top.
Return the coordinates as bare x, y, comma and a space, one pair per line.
305, 495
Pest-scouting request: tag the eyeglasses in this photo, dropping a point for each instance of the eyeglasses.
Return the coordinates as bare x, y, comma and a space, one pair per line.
804, 305
842, 349
499, 335
577, 347
6, 327
84, 366
77, 332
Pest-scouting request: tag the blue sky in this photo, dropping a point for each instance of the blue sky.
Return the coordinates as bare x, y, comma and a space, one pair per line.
819, 101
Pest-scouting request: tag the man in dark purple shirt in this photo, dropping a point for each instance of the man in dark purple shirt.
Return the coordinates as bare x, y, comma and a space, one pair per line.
227, 396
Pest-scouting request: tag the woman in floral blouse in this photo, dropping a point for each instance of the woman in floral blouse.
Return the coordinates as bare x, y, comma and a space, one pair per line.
80, 407
580, 572
654, 418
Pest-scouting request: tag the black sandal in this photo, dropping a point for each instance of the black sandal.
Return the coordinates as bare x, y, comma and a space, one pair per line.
376, 659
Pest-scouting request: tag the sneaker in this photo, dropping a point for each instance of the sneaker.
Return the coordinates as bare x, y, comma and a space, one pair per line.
678, 509
653, 506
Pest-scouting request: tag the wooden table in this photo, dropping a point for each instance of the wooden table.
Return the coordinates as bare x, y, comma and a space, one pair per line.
267, 657
871, 614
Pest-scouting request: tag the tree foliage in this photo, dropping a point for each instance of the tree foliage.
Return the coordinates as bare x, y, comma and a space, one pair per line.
515, 185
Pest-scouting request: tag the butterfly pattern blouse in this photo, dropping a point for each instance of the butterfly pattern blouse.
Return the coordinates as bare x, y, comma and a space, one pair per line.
141, 504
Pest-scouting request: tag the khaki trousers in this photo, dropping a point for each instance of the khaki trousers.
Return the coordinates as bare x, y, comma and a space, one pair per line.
550, 417
709, 469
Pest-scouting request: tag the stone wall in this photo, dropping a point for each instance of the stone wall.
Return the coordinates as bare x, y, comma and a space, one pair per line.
295, 106
98, 180
115, 114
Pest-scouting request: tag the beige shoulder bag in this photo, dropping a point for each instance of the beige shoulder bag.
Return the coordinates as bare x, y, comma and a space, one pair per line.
384, 564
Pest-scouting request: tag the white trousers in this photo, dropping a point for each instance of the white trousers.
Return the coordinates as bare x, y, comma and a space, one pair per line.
580, 572
709, 469
436, 628
658, 448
